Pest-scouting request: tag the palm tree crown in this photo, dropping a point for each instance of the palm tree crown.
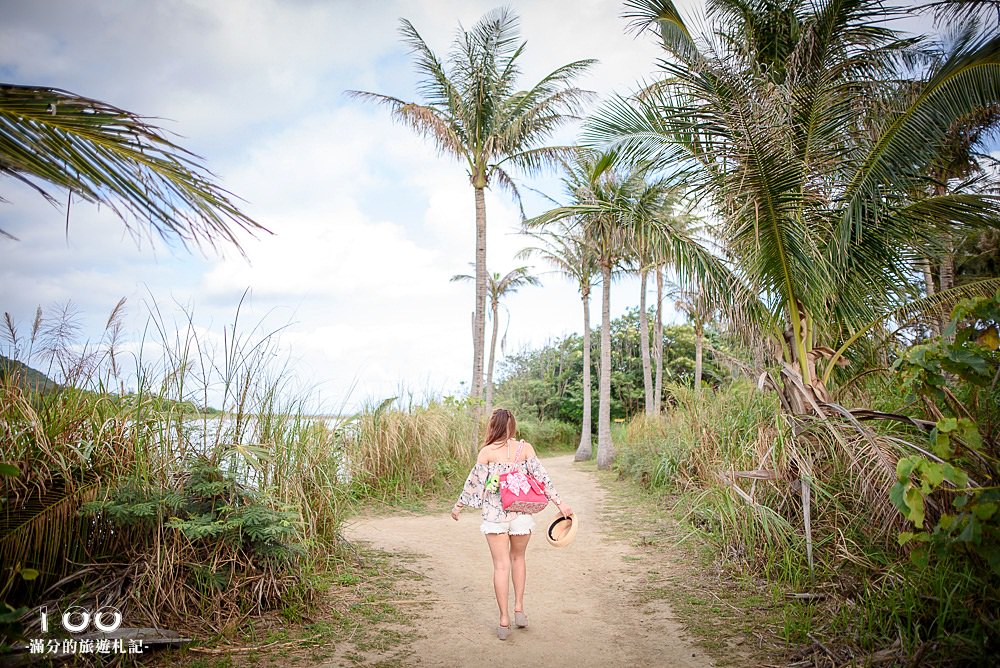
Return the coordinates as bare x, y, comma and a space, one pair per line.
472, 108
612, 201
792, 122
497, 288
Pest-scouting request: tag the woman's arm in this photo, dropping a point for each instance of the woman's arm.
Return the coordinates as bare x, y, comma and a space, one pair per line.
472, 491
536, 469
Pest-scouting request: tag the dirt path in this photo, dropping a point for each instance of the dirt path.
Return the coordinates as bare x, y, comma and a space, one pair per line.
583, 601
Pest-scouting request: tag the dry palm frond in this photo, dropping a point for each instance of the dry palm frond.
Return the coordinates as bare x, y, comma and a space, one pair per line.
43, 531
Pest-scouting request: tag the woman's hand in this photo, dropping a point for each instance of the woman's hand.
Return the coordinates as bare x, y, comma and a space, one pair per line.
455, 510
564, 509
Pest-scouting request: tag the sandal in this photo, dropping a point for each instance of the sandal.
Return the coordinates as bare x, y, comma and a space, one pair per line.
503, 632
520, 619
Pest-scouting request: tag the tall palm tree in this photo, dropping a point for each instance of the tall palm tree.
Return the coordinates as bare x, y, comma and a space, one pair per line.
643, 242
567, 248
610, 200
651, 250
658, 342
497, 288
692, 302
111, 156
788, 120
472, 110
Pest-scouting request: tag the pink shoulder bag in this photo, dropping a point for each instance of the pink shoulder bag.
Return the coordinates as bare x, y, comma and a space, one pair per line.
520, 492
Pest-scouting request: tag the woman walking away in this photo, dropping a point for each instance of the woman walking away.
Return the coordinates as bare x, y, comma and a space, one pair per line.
507, 533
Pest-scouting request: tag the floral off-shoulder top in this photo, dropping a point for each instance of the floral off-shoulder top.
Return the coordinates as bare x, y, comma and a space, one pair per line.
479, 494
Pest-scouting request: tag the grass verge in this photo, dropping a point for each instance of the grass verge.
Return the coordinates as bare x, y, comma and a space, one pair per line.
736, 620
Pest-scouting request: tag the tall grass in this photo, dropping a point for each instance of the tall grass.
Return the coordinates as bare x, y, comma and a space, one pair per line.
737, 467
123, 495
396, 454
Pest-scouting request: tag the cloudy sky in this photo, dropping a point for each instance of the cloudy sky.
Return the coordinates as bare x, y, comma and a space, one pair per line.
368, 222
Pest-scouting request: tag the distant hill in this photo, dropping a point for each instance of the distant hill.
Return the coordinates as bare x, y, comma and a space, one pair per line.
27, 377
33, 379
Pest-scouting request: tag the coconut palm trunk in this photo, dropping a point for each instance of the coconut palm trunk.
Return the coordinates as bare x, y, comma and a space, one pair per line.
699, 335
658, 344
605, 448
647, 375
572, 253
586, 448
494, 311
925, 267
479, 318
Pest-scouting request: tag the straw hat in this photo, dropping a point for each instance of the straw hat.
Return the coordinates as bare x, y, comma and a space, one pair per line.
562, 531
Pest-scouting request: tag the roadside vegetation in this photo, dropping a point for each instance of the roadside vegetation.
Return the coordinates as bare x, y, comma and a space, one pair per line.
204, 523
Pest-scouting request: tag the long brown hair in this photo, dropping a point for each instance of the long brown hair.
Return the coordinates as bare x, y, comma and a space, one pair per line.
502, 426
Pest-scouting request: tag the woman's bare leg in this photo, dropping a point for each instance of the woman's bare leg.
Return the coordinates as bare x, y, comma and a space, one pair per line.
500, 550
519, 572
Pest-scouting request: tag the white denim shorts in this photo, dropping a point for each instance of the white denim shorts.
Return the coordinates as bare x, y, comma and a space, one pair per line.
519, 526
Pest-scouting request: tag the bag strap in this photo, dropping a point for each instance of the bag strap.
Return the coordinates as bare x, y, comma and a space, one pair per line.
520, 446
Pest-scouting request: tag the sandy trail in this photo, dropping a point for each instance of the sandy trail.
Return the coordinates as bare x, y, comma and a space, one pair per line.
582, 601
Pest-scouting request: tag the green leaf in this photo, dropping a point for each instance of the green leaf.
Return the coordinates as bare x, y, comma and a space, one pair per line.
966, 361
12, 614
989, 339
992, 553
942, 445
984, 510
934, 474
905, 537
9, 470
947, 424
970, 433
915, 503
905, 466
955, 476
29, 573
897, 494
972, 531
919, 557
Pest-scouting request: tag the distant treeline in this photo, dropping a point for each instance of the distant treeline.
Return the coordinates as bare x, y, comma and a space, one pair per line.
546, 383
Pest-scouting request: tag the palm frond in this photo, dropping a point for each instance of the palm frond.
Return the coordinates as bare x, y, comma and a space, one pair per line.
434, 84
969, 79
643, 15
504, 180
44, 531
959, 12
934, 307
425, 120
111, 156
